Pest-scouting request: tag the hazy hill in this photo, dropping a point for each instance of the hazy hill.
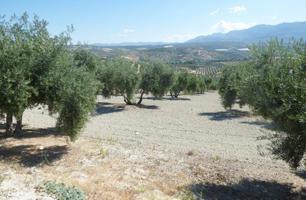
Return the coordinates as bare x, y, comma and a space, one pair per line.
209, 49
256, 33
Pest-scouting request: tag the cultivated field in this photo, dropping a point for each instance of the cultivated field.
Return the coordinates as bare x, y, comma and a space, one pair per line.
166, 149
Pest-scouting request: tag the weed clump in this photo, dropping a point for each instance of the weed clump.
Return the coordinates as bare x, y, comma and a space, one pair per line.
62, 192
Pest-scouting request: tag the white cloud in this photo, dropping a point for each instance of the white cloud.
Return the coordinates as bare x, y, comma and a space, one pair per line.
212, 13
237, 9
180, 37
224, 26
128, 30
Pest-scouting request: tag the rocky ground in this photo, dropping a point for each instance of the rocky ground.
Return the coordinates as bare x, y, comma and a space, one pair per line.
190, 148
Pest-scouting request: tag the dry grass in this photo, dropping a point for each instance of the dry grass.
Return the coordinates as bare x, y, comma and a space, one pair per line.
110, 176
87, 164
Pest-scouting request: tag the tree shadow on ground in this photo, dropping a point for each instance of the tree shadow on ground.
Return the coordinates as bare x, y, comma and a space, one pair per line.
32, 133
245, 189
107, 108
2, 126
151, 107
31, 155
168, 98
262, 124
225, 115
301, 173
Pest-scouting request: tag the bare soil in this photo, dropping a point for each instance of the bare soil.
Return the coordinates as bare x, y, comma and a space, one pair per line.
189, 148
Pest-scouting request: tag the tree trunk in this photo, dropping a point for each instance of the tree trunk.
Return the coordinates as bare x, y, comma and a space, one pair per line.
18, 129
127, 101
140, 98
9, 124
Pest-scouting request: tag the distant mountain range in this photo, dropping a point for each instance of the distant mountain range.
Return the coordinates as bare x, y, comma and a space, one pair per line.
256, 34
233, 39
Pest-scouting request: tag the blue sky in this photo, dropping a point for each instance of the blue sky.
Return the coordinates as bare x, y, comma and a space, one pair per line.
112, 21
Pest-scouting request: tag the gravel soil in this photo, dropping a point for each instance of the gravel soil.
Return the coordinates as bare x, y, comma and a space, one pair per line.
189, 148
191, 123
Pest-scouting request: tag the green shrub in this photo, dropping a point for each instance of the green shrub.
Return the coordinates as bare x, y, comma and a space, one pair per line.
62, 192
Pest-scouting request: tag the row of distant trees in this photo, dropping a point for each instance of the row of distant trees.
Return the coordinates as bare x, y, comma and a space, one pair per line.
127, 78
274, 86
37, 68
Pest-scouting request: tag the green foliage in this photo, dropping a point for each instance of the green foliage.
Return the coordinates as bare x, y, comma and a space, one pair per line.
84, 58
76, 101
228, 87
165, 74
187, 82
211, 83
230, 84
201, 82
123, 77
36, 68
156, 77
105, 76
118, 77
180, 83
274, 85
126, 79
192, 84
281, 95
62, 192
148, 80
15, 64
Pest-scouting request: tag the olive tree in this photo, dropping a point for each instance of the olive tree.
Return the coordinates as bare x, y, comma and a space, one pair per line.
37, 68
280, 94
156, 78
188, 83
119, 77
231, 82
16, 61
201, 81
192, 84
274, 86
180, 83
85, 59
